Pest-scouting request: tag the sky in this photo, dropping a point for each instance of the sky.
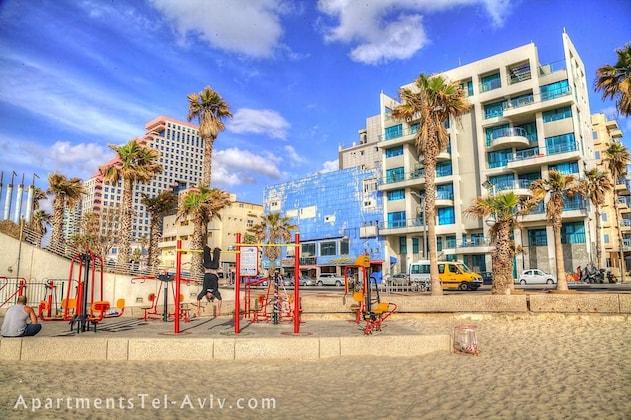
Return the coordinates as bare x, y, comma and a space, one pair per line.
301, 77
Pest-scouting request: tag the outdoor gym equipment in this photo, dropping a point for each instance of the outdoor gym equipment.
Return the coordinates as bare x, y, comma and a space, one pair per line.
373, 311
151, 312
19, 291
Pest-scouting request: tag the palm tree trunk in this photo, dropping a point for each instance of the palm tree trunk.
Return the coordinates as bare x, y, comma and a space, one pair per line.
558, 253
430, 203
208, 155
598, 239
124, 248
197, 257
620, 239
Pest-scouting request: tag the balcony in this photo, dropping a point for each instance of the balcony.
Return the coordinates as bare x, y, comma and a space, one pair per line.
400, 136
508, 137
529, 159
625, 224
472, 246
414, 225
415, 178
444, 199
520, 187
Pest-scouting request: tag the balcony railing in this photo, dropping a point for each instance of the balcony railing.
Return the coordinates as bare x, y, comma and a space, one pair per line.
519, 184
398, 134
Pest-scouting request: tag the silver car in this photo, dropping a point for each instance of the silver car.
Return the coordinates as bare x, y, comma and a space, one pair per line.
329, 279
536, 276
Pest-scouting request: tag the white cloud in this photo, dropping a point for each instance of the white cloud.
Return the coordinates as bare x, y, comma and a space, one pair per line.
329, 166
249, 27
234, 167
80, 160
69, 100
378, 37
259, 121
294, 158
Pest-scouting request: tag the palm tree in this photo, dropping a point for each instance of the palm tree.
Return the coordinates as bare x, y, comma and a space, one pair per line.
200, 205
39, 224
433, 102
209, 108
595, 186
556, 187
615, 81
159, 206
135, 162
505, 210
272, 229
617, 161
66, 193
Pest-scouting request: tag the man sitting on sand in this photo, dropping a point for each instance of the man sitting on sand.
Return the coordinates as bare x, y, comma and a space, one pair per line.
15, 320
210, 288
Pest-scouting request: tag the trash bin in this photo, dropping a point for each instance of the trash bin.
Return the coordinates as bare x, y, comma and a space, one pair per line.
466, 340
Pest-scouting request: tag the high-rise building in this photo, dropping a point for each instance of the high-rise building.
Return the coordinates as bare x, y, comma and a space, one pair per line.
181, 156
526, 118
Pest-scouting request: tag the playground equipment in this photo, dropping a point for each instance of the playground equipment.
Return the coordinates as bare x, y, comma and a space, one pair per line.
88, 304
45, 308
275, 295
182, 310
357, 282
19, 290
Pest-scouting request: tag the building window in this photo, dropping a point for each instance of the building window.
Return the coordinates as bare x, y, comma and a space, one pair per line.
560, 144
554, 90
496, 109
603, 217
328, 248
499, 158
445, 192
394, 132
396, 195
443, 168
394, 151
344, 247
557, 114
606, 237
308, 249
403, 245
490, 82
537, 237
566, 168
396, 219
446, 216
573, 233
415, 246
395, 175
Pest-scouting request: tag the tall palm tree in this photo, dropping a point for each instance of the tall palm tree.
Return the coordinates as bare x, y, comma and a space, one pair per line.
615, 80
66, 193
134, 163
209, 108
272, 229
159, 206
617, 161
200, 205
596, 185
555, 188
505, 210
433, 101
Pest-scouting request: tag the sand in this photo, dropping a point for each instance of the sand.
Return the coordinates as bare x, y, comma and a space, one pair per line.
527, 369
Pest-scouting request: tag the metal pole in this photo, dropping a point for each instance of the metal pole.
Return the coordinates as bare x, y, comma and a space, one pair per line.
178, 261
237, 286
297, 284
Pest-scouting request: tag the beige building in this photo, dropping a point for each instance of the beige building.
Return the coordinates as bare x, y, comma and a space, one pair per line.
222, 233
607, 132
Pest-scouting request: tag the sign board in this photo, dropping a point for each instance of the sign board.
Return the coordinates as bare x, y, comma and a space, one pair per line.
249, 260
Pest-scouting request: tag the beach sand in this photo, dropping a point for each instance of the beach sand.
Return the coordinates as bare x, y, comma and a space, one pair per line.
534, 368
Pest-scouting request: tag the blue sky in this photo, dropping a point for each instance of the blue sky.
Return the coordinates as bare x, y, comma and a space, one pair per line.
300, 76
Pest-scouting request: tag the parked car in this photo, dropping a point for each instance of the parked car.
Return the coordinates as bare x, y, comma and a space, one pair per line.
400, 279
487, 277
536, 276
254, 280
329, 279
304, 281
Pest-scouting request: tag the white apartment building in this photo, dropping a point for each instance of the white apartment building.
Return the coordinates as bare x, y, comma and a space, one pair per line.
526, 118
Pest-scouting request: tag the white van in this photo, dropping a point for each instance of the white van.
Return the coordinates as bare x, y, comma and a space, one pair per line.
452, 274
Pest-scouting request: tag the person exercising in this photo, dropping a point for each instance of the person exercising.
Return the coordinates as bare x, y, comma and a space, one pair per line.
210, 288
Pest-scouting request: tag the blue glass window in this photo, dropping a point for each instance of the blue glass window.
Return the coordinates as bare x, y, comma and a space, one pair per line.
446, 216
531, 131
445, 192
521, 100
394, 151
557, 114
394, 132
415, 248
537, 237
396, 195
403, 245
554, 90
490, 82
560, 144
495, 132
396, 219
499, 158
394, 175
566, 168
573, 233
495, 109
443, 168
450, 241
